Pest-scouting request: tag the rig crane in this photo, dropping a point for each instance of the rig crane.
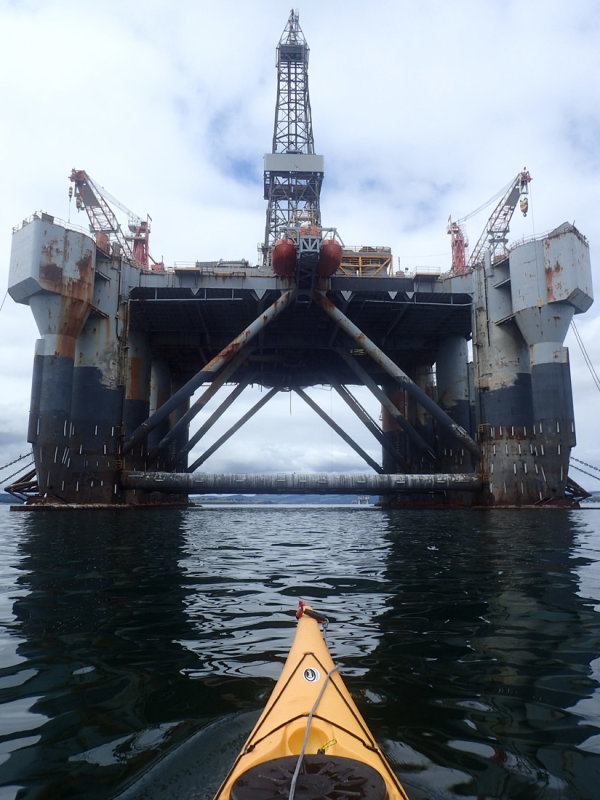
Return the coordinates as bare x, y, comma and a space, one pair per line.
94, 199
459, 244
495, 233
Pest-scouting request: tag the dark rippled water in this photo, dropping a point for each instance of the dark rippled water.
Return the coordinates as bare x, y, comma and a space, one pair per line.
136, 649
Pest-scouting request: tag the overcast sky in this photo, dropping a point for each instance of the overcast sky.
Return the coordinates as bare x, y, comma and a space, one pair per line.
421, 110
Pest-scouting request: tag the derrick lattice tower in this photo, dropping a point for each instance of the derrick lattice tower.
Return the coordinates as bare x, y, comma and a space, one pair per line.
293, 172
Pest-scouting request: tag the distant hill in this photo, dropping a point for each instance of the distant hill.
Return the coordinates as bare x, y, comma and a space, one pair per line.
8, 498
593, 498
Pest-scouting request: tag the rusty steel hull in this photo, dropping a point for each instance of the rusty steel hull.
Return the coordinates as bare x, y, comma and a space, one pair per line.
122, 351
523, 306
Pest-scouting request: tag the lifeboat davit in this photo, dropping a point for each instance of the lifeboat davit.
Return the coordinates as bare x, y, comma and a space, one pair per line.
330, 258
283, 258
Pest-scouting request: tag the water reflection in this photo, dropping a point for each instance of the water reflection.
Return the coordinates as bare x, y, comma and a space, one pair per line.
100, 680
141, 632
247, 583
486, 653
469, 640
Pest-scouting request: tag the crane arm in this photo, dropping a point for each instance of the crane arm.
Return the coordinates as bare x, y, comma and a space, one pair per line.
89, 196
496, 230
133, 219
94, 198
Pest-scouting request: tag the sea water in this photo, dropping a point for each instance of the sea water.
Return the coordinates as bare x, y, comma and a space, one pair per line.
137, 648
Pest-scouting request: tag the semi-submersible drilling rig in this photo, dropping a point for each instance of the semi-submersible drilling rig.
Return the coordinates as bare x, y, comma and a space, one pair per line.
126, 343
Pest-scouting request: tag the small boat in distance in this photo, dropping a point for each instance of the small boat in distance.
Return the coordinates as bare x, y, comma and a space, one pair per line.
310, 741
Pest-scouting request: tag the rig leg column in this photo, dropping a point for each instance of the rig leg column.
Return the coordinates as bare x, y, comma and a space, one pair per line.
33, 428
160, 391
502, 381
418, 415
554, 416
397, 440
543, 307
50, 416
452, 378
137, 387
97, 399
176, 450
501, 358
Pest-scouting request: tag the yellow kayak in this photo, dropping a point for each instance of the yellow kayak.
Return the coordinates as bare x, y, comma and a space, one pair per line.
310, 741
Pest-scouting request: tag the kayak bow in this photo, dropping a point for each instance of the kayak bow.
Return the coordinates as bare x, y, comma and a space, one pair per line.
310, 741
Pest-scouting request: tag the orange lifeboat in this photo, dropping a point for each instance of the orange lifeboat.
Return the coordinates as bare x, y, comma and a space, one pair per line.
283, 258
330, 258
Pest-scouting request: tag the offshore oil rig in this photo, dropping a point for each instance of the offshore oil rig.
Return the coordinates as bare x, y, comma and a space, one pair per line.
468, 367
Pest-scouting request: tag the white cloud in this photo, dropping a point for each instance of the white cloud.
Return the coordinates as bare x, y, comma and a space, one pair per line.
421, 111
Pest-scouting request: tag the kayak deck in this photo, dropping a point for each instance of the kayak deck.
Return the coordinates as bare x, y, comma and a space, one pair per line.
311, 714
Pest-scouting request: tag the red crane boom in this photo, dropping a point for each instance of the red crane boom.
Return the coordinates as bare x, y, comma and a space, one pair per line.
91, 197
495, 234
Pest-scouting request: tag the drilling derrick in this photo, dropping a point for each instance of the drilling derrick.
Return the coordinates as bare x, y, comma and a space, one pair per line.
293, 173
